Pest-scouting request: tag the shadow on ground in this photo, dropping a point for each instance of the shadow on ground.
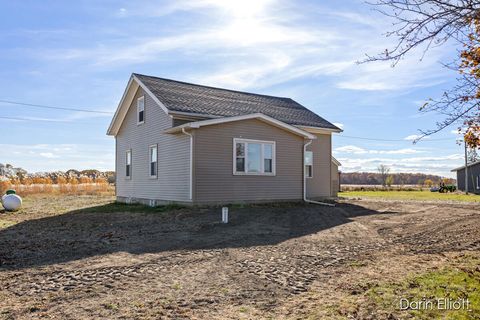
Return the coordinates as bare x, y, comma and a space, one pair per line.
138, 229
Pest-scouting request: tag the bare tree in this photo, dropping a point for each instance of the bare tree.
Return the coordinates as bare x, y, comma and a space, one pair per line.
384, 171
423, 24
472, 155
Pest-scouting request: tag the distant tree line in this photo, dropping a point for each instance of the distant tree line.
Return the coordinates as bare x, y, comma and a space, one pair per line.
18, 175
374, 178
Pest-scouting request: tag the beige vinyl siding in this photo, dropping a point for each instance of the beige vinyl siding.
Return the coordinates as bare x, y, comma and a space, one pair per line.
179, 122
214, 180
172, 182
335, 180
319, 185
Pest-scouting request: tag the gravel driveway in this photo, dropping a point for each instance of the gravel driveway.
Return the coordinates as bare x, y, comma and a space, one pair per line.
269, 261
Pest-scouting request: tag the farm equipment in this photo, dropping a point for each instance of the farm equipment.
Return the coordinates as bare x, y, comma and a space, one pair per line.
444, 188
447, 188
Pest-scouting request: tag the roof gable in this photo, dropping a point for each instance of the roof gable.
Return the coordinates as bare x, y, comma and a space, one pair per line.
133, 84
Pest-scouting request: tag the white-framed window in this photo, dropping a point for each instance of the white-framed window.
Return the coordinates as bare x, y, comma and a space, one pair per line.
128, 164
140, 110
253, 157
153, 156
308, 164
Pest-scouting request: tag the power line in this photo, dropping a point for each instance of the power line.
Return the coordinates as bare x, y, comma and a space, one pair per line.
53, 107
31, 119
107, 112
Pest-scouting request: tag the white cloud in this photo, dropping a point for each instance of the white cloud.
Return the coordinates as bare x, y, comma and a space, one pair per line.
399, 151
122, 12
415, 137
73, 156
350, 149
48, 155
357, 150
459, 133
262, 43
440, 165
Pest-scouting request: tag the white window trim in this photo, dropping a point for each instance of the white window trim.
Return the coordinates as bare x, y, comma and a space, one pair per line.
311, 165
138, 110
262, 164
131, 161
150, 161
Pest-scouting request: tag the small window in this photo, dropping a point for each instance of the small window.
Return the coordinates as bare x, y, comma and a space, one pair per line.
254, 157
128, 164
240, 153
140, 110
268, 158
153, 161
308, 164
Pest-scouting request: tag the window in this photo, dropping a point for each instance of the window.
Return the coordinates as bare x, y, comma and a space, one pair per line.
140, 110
478, 182
268, 158
308, 164
128, 164
153, 161
240, 161
254, 157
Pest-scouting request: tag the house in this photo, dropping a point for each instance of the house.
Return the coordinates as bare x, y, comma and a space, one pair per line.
473, 173
193, 144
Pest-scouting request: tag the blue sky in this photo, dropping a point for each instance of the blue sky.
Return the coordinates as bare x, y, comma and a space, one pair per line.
80, 54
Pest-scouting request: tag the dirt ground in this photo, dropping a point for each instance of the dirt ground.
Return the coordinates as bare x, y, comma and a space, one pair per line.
83, 257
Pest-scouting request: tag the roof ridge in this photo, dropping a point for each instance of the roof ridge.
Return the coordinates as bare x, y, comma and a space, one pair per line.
216, 88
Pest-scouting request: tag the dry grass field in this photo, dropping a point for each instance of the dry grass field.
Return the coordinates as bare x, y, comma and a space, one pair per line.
85, 257
417, 195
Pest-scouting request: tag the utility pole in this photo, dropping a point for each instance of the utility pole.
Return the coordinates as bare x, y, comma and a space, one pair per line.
466, 167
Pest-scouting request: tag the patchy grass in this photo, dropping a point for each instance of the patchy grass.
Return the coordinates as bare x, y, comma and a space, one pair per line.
411, 195
176, 286
110, 306
115, 207
356, 263
243, 309
458, 280
451, 283
6, 223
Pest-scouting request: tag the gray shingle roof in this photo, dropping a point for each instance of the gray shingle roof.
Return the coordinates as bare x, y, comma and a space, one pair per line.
193, 98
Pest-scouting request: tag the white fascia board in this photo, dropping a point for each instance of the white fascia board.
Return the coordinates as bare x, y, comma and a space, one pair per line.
336, 161
320, 130
260, 116
121, 112
144, 87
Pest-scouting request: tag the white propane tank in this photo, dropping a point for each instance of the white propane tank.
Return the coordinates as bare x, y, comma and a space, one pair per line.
11, 202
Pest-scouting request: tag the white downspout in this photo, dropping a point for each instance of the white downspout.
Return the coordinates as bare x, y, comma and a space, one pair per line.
305, 180
190, 191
